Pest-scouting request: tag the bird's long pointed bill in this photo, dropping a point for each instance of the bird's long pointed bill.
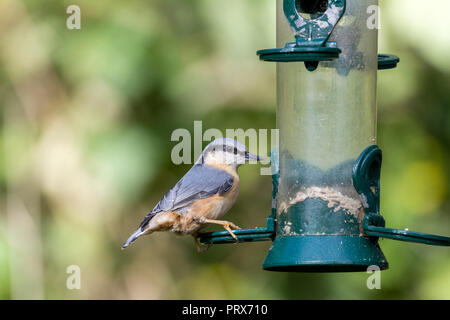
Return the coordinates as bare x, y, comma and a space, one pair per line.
250, 156
132, 238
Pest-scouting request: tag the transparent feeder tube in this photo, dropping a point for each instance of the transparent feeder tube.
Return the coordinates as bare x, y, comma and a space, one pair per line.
327, 117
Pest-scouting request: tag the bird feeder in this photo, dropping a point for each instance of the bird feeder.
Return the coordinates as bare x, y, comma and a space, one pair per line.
326, 172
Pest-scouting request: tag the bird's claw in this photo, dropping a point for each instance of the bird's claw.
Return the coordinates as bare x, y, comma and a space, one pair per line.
204, 249
233, 226
199, 247
228, 228
227, 225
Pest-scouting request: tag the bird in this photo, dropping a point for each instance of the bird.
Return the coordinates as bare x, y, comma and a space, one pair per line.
202, 196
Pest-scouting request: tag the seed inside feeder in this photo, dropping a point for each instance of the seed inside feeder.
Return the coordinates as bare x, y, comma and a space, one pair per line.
335, 200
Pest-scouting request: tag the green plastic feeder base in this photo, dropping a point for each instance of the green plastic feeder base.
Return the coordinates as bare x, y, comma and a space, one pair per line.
324, 254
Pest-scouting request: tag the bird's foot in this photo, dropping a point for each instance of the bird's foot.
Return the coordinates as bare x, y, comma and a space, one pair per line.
232, 225
227, 225
204, 249
199, 247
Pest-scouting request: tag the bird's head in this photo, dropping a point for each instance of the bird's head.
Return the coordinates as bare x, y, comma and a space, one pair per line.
226, 151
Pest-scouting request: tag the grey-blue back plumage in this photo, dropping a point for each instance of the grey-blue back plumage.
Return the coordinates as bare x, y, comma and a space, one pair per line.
200, 182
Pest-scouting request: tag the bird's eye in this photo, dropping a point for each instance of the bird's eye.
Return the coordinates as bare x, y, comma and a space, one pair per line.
235, 151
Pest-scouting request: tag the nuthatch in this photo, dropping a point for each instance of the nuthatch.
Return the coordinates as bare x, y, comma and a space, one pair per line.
207, 191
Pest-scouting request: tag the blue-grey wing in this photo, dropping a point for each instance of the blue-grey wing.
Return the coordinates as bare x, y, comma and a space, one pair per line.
200, 182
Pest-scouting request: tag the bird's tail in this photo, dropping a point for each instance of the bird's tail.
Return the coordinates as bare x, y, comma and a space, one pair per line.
133, 238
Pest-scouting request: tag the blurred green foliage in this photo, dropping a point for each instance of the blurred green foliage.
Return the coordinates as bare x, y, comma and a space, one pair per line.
86, 119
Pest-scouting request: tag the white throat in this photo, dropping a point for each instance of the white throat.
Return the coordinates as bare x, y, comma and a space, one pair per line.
225, 159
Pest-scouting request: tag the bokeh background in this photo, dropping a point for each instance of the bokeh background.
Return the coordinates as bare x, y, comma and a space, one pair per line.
86, 118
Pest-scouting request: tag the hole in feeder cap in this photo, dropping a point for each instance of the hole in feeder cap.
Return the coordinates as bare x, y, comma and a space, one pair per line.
311, 6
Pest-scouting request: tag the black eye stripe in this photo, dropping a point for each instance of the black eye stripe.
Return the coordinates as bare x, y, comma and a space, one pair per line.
228, 148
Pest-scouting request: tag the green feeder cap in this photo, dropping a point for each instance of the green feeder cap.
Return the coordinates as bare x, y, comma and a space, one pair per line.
292, 52
311, 45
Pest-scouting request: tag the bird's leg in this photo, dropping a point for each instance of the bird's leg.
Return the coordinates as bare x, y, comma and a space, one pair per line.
226, 224
197, 244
